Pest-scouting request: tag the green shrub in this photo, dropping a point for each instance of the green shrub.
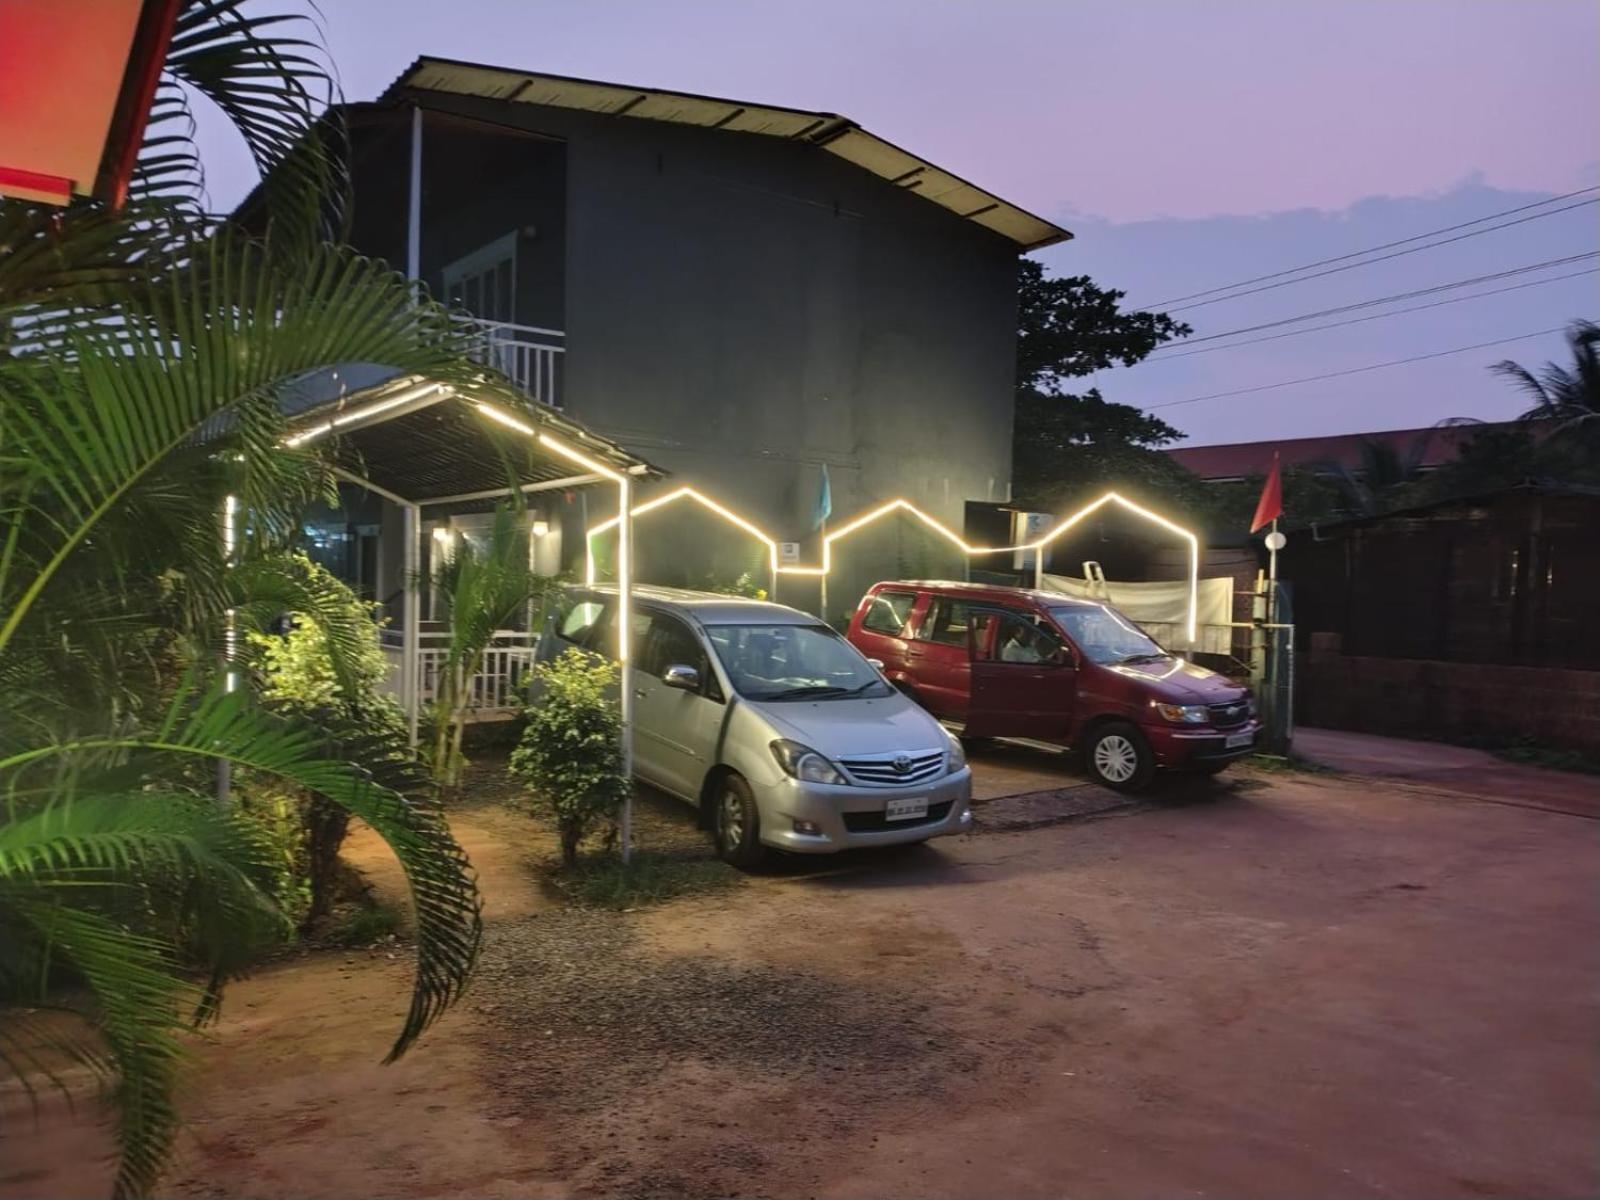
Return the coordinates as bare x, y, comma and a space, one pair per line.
365, 925
327, 672
276, 816
570, 755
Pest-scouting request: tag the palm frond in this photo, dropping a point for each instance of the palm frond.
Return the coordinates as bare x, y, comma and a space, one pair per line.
271, 586
138, 994
199, 359
269, 73
224, 726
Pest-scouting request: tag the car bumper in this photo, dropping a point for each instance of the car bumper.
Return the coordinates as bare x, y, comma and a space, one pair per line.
847, 818
1178, 748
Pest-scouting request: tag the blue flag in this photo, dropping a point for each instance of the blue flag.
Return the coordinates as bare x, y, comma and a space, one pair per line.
824, 509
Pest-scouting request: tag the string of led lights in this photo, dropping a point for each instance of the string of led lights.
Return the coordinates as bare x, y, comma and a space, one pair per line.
902, 505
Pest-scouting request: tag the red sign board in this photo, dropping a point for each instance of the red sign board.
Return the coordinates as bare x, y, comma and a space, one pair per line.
76, 81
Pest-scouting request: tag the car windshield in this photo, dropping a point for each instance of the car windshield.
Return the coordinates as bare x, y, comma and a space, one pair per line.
1105, 635
793, 662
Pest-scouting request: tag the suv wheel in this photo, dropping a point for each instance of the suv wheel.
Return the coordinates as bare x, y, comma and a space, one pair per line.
1119, 757
737, 825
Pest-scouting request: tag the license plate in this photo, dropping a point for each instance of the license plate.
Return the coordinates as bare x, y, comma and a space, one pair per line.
906, 810
1235, 740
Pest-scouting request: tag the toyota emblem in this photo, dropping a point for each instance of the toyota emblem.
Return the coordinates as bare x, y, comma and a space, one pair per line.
901, 765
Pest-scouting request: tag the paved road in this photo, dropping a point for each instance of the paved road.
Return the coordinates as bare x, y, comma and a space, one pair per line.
1452, 769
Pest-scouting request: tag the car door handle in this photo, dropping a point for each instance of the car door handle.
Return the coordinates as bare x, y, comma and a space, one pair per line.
639, 692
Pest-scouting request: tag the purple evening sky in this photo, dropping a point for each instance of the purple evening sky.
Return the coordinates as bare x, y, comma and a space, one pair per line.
1187, 144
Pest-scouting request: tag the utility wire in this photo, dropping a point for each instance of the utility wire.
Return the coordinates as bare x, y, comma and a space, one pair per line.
1374, 302
1174, 305
1375, 316
1267, 387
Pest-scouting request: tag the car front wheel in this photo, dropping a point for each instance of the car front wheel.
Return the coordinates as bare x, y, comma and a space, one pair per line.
1119, 757
738, 824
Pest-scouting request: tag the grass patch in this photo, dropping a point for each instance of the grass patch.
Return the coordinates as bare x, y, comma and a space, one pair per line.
1278, 764
363, 926
602, 881
1533, 754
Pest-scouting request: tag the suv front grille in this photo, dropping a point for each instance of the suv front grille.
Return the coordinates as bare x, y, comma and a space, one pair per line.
1224, 716
896, 770
874, 822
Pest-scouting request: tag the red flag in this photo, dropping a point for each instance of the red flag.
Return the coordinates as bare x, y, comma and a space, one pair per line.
1270, 507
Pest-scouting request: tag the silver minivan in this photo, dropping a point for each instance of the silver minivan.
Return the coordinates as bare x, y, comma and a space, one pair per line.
782, 733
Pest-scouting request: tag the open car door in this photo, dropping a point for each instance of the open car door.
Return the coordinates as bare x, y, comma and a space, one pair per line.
1023, 679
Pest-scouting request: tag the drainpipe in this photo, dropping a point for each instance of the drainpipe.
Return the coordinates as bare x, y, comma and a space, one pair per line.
414, 204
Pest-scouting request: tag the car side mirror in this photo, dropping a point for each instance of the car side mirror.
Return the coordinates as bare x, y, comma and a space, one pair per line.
681, 676
876, 664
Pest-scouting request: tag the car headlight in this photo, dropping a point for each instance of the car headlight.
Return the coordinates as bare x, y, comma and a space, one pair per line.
955, 754
1183, 714
804, 763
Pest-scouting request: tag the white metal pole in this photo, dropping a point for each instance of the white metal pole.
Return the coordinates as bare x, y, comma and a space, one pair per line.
230, 635
411, 622
1272, 577
414, 205
625, 652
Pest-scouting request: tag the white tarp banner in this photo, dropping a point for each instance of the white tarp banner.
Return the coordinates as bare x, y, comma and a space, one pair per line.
1162, 608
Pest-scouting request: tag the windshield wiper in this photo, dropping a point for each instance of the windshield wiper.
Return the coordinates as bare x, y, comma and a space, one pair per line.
826, 689
1133, 658
856, 691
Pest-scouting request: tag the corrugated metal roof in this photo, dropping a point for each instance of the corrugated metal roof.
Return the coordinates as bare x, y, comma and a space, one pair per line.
829, 131
1239, 460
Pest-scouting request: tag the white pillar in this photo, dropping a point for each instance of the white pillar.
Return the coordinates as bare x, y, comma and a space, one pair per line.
625, 651
411, 622
230, 638
414, 205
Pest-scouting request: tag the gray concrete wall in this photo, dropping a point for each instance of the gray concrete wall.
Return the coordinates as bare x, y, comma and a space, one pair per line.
741, 310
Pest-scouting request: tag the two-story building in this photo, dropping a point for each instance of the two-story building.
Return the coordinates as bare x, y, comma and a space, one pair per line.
739, 292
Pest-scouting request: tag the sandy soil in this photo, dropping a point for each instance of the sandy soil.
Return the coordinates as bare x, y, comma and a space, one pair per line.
1284, 986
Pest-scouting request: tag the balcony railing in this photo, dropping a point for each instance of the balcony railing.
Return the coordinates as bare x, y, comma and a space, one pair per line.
529, 356
495, 691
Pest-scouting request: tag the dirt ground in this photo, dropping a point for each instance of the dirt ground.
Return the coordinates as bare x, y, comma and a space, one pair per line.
1279, 985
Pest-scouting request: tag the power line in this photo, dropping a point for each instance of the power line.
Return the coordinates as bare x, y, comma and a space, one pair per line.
1389, 299
1267, 387
1376, 316
1175, 303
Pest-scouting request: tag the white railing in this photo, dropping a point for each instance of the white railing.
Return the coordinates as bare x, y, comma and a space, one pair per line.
496, 688
529, 356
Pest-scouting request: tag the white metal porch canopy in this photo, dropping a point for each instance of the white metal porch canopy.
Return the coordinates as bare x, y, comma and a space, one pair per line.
419, 444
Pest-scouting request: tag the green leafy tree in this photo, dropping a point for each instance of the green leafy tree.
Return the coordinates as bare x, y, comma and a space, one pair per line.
570, 753
1067, 445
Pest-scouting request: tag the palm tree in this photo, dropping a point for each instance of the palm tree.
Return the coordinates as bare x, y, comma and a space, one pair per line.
1569, 398
142, 357
484, 589
1380, 478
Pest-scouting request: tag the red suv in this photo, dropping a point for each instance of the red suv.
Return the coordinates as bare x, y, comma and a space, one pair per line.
1011, 662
